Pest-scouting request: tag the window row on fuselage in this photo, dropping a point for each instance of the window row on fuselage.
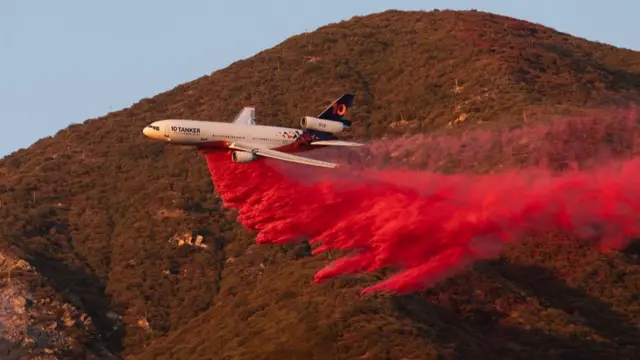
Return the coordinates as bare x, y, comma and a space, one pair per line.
255, 138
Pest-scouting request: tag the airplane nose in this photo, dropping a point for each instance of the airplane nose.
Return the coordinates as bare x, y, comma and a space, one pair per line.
145, 131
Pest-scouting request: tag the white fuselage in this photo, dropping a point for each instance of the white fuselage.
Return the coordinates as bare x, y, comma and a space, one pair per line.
210, 134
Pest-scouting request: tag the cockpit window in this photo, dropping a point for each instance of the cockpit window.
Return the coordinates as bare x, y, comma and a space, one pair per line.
156, 128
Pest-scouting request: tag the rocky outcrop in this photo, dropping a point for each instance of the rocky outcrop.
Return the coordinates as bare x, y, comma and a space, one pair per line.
33, 326
189, 238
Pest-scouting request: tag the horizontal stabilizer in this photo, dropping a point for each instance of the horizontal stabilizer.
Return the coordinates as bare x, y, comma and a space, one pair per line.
336, 143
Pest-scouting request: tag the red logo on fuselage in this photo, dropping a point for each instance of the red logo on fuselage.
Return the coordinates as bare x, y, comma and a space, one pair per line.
290, 134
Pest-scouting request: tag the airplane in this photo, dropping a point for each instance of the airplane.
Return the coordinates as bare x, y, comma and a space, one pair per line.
250, 141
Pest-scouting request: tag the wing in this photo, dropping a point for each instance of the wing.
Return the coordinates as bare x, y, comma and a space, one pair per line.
336, 143
246, 116
279, 155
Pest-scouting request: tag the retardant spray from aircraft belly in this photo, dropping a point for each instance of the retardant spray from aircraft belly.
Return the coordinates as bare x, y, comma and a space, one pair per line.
428, 225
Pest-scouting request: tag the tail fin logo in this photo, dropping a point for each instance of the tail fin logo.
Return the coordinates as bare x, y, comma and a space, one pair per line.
339, 109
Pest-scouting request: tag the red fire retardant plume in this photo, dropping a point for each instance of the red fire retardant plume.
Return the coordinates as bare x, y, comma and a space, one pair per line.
425, 225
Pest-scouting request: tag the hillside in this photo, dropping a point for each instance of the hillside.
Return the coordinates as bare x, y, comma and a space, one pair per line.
96, 209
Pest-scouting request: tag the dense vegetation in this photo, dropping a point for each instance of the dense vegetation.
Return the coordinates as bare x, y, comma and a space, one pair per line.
93, 208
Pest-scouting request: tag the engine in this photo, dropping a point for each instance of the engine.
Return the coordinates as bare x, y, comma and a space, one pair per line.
242, 157
311, 123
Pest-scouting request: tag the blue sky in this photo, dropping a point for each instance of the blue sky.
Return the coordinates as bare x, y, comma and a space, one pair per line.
63, 62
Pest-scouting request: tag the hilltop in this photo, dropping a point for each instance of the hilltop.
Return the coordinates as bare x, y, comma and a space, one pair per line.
102, 214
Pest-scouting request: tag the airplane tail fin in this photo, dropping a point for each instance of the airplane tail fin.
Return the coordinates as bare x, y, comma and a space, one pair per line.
338, 109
